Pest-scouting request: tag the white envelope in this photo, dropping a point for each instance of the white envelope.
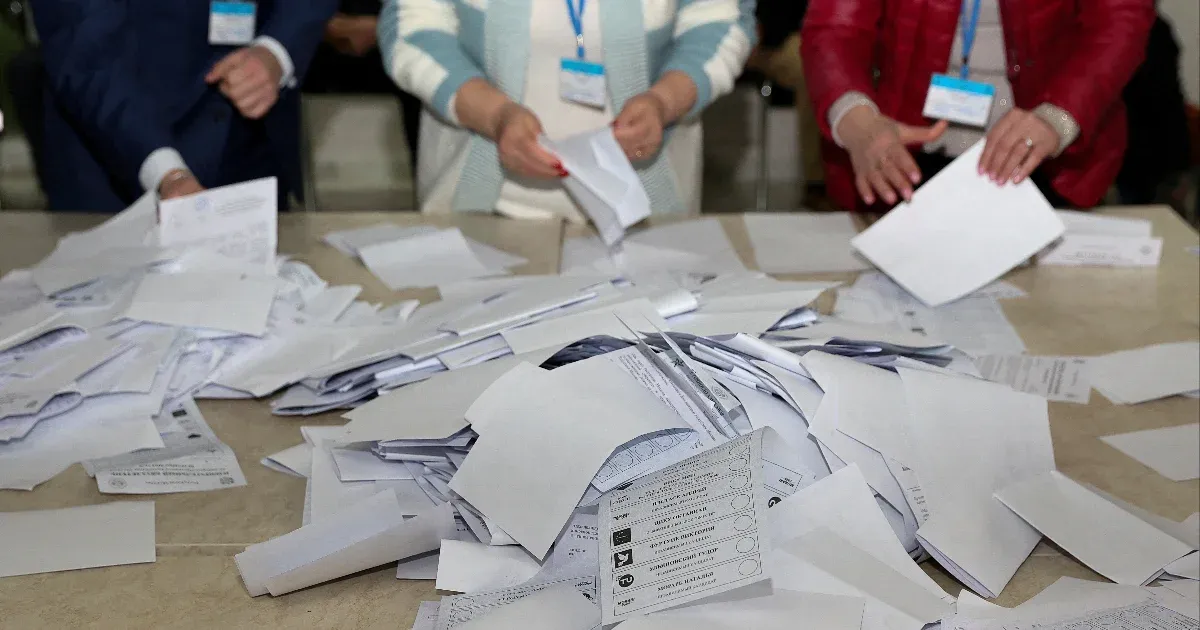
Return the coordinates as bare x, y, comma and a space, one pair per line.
603, 181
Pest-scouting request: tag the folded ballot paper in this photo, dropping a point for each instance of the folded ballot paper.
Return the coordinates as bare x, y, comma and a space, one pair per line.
959, 232
602, 181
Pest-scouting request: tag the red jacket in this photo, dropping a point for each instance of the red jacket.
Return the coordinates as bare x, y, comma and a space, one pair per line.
1076, 54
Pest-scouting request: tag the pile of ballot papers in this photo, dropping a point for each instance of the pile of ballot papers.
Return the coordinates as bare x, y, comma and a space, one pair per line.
657, 437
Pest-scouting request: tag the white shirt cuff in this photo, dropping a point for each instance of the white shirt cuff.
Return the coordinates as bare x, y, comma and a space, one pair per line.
841, 107
281, 54
157, 165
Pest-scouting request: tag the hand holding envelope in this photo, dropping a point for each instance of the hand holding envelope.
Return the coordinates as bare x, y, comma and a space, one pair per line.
602, 181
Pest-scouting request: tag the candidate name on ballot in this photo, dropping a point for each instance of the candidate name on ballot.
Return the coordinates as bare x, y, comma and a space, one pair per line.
685, 533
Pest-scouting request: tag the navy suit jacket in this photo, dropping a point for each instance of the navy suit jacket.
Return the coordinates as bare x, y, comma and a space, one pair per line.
126, 77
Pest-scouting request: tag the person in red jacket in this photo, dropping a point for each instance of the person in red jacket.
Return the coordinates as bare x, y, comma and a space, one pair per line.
1057, 68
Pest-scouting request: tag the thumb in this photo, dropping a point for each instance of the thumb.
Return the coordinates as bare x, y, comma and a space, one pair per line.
222, 68
921, 135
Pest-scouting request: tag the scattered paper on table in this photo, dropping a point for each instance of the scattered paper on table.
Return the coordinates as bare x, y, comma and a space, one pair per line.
109, 534
1170, 451
1135, 376
1060, 379
804, 242
239, 222
959, 232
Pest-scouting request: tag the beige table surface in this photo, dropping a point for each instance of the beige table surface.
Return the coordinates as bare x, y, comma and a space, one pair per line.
194, 583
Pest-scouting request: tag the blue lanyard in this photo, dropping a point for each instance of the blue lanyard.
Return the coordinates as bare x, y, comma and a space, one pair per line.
577, 23
968, 31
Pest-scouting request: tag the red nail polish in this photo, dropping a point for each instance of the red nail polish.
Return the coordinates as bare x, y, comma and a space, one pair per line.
562, 172
557, 166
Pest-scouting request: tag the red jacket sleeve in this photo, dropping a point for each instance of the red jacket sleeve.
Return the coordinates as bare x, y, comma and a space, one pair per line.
837, 44
1112, 46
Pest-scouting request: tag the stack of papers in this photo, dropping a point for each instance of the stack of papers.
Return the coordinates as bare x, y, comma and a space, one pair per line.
602, 181
969, 230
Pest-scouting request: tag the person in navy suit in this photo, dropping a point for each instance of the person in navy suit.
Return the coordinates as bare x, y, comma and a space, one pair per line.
172, 95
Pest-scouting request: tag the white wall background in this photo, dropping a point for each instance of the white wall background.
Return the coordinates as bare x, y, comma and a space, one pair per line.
1184, 16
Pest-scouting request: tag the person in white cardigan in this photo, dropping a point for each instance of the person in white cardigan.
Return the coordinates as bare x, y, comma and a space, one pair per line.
488, 72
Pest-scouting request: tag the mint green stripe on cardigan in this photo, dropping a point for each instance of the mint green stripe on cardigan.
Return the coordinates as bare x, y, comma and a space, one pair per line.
506, 33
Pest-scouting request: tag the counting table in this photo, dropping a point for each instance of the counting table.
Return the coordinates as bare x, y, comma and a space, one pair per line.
195, 584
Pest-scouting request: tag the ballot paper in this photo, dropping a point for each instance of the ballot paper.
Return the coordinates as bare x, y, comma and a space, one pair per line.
1094, 250
1148, 615
192, 459
523, 303
227, 301
961, 465
805, 242
427, 259
1170, 451
557, 608
295, 461
580, 414
959, 232
367, 534
1079, 222
1125, 549
602, 181
686, 533
457, 610
1059, 379
781, 610
706, 324
1130, 377
238, 222
427, 614
109, 534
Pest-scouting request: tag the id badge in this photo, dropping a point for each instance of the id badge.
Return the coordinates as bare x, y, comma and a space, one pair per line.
583, 82
231, 23
959, 100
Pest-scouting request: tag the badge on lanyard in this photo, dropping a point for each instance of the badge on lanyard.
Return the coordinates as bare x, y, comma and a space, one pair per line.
579, 80
959, 99
231, 23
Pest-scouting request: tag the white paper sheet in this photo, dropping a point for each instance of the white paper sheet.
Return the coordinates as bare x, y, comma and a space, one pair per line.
602, 181
708, 324
457, 610
227, 301
658, 554
959, 232
1059, 379
1088, 250
523, 303
356, 465
639, 314
558, 608
1079, 222
471, 567
574, 423
109, 534
432, 409
782, 610
240, 222
962, 464
367, 534
1135, 376
425, 260
350, 241
803, 242
1112, 542
705, 238
1170, 451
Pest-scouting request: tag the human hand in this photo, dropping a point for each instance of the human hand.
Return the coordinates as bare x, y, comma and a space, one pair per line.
249, 77
882, 164
639, 126
178, 183
516, 131
352, 35
1015, 147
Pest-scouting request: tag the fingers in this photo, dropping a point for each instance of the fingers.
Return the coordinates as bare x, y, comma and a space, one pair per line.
864, 189
1030, 164
999, 144
881, 186
910, 135
898, 180
258, 105
904, 161
1010, 166
225, 65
